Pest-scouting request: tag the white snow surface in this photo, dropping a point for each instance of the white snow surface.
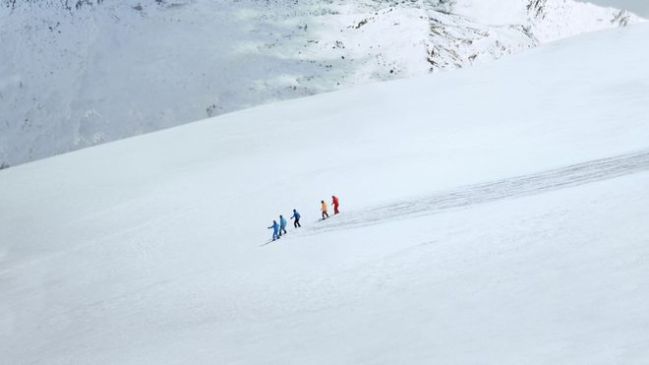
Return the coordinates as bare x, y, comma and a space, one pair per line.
72, 78
493, 215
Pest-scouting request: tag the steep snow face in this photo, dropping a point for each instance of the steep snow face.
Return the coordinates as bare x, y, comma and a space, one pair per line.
548, 19
497, 214
94, 71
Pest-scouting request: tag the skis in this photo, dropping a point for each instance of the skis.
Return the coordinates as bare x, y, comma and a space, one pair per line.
267, 243
317, 221
270, 241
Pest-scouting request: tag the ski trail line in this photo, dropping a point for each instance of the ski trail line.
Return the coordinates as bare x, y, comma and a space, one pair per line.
513, 187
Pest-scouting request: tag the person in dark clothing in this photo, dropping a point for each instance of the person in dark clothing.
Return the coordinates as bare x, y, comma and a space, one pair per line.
296, 217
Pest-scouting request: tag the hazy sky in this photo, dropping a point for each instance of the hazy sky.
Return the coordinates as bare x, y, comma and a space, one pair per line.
640, 7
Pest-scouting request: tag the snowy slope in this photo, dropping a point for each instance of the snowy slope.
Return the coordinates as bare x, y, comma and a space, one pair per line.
491, 215
77, 77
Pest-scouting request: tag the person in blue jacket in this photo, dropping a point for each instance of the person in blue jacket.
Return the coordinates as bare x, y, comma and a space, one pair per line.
282, 225
275, 228
296, 216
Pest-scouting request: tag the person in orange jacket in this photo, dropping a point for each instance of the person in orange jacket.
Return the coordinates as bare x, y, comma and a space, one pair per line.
323, 209
335, 203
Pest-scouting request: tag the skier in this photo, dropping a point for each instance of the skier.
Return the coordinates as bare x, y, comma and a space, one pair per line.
323, 208
296, 216
335, 203
282, 225
275, 228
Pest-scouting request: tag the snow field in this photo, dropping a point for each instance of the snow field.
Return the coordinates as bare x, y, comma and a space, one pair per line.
147, 250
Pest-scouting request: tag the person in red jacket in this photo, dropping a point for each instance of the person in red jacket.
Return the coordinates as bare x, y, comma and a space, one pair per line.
335, 203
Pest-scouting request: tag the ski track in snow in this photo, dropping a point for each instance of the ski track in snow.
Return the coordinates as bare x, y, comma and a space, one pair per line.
514, 187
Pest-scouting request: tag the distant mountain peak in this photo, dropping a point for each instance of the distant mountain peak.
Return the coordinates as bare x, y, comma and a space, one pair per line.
80, 72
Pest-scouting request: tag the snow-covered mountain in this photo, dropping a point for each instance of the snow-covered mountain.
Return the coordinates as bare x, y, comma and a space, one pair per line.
491, 215
78, 73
